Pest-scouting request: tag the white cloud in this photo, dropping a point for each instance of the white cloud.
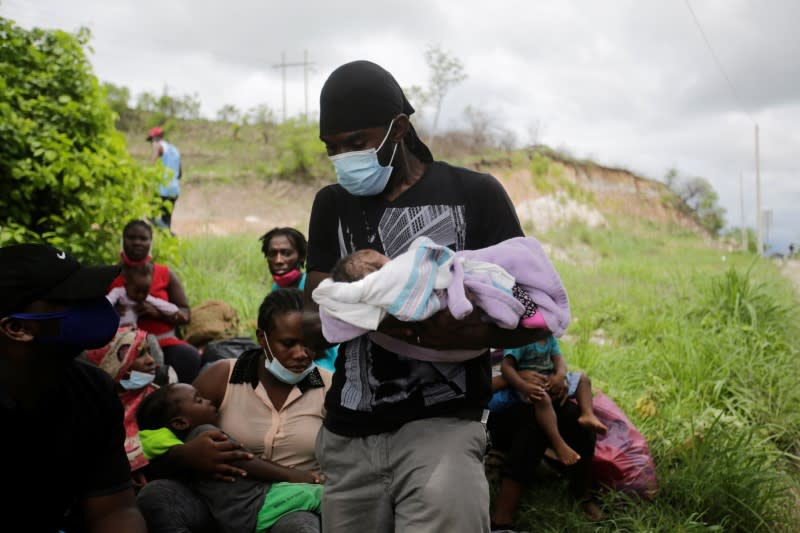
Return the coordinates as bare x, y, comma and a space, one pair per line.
630, 83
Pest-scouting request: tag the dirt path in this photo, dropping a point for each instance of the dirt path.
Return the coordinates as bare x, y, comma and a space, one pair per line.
247, 206
791, 269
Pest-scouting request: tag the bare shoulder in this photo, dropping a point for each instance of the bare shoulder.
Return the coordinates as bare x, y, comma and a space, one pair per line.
213, 380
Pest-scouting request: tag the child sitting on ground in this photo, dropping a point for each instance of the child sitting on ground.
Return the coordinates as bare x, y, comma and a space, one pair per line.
513, 283
537, 374
136, 291
253, 503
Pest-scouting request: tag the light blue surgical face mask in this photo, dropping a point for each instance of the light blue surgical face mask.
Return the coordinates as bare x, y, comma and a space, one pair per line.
280, 372
137, 380
360, 172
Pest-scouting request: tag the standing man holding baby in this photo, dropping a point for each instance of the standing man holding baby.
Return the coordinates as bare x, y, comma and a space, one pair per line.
402, 444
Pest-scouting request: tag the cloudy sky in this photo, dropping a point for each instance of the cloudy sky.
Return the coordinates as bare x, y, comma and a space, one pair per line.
628, 83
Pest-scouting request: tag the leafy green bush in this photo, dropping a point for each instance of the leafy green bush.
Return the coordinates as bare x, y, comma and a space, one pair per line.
65, 175
301, 155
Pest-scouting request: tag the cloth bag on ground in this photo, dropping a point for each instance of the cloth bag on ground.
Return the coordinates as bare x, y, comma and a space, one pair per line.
211, 320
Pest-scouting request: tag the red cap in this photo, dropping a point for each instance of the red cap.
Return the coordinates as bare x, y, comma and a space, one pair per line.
155, 132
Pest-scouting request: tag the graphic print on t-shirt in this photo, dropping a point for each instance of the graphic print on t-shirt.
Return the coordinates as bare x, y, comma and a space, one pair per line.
396, 378
443, 224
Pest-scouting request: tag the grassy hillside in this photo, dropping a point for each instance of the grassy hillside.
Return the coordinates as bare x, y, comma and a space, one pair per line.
251, 178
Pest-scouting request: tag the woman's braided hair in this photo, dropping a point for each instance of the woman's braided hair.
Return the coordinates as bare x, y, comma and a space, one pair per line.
278, 302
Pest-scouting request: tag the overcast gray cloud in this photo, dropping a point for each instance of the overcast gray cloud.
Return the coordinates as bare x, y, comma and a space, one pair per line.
629, 83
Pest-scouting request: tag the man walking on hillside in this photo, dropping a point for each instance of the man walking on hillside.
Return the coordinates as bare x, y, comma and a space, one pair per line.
402, 444
170, 189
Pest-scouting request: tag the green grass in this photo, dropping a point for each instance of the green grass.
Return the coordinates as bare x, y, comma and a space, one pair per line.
702, 357
700, 352
230, 269
210, 152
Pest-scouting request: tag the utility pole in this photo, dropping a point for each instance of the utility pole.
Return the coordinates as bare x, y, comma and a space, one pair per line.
283, 65
767, 224
759, 222
741, 212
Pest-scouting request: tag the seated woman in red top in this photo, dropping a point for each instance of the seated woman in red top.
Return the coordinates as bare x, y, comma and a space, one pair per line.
137, 238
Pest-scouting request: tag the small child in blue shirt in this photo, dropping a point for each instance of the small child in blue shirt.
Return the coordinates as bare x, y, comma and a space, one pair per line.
537, 374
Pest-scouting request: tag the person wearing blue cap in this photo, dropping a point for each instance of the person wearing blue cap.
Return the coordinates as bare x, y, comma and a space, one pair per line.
63, 447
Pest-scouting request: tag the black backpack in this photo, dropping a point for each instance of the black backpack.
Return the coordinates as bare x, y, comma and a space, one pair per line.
228, 348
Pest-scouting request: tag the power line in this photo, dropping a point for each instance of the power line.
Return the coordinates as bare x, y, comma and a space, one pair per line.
759, 221
283, 65
718, 62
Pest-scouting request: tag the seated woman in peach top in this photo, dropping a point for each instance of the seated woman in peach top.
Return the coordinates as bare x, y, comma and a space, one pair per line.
270, 400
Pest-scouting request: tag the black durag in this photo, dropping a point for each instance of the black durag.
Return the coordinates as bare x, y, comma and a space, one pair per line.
360, 95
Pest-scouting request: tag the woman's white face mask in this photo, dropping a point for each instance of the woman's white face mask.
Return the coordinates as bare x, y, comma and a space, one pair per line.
137, 380
280, 372
360, 172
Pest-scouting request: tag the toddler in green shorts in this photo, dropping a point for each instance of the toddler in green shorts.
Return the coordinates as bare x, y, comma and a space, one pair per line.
175, 414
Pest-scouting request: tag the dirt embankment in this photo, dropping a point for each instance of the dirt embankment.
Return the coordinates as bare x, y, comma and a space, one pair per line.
244, 206
220, 207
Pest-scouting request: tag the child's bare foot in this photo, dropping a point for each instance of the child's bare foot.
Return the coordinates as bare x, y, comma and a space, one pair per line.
565, 454
590, 421
592, 510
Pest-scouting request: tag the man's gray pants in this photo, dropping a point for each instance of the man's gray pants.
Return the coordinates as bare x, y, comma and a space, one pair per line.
427, 476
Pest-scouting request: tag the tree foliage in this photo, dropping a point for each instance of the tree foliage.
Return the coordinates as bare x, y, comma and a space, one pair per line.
484, 132
65, 175
164, 107
302, 158
262, 117
446, 70
229, 113
697, 197
186, 106
734, 234
118, 97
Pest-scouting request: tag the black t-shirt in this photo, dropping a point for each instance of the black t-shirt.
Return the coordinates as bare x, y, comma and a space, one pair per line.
375, 390
68, 448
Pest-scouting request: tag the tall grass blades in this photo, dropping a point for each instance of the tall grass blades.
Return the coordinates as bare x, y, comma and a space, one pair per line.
731, 479
734, 298
231, 269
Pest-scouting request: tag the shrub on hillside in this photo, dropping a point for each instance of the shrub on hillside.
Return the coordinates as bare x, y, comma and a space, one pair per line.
301, 155
65, 175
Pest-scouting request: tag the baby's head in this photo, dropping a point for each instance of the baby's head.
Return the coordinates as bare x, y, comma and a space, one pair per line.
177, 406
138, 279
355, 266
